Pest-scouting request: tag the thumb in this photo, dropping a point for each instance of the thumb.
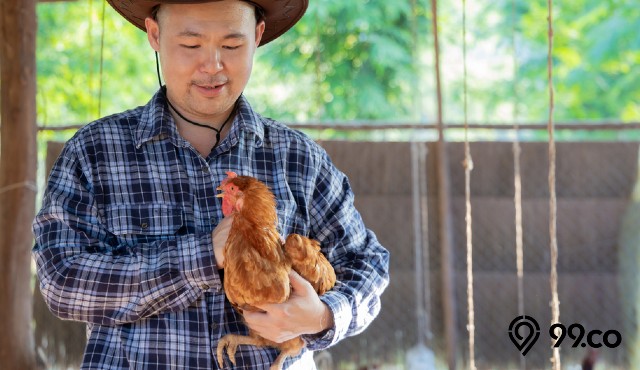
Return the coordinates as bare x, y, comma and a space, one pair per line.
298, 283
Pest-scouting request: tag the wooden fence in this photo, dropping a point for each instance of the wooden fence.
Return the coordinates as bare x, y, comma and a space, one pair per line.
596, 269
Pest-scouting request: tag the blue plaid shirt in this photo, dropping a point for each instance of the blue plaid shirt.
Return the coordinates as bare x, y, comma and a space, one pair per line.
123, 240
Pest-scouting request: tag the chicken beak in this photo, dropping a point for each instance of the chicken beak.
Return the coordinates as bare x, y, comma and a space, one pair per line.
221, 195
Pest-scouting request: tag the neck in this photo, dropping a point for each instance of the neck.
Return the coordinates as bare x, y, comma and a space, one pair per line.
181, 118
212, 125
186, 125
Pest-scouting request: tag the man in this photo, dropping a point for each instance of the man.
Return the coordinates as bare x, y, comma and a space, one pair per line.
130, 234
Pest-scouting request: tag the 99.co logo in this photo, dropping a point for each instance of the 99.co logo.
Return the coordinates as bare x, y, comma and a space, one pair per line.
524, 331
594, 338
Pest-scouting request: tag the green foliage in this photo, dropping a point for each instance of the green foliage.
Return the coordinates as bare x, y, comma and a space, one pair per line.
69, 55
343, 61
596, 49
371, 61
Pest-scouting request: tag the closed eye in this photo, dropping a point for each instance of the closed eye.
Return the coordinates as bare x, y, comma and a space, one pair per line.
190, 46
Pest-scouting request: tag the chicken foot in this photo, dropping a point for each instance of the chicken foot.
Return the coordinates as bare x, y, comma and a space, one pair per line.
277, 364
230, 343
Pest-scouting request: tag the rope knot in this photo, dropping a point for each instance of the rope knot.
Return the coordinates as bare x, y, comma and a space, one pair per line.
467, 163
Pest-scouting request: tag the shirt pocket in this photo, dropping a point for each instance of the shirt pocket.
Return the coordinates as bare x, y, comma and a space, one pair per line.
135, 223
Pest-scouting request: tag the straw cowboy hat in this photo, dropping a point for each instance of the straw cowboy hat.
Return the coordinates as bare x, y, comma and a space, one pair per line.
280, 15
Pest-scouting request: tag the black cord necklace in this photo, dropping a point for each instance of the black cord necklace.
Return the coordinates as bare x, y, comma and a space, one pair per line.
216, 130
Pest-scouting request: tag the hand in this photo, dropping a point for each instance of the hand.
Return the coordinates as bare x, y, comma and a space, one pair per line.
303, 313
219, 237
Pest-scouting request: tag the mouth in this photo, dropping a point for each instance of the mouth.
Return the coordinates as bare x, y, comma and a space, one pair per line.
210, 90
210, 87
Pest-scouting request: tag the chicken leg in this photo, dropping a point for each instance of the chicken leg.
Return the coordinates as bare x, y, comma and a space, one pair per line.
230, 343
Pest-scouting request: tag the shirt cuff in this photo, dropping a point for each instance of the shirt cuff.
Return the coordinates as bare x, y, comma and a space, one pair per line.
199, 263
341, 310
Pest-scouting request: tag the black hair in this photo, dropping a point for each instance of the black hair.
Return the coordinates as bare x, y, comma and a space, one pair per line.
260, 15
154, 12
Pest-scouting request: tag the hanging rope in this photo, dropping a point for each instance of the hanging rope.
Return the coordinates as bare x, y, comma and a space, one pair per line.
436, 47
101, 62
90, 78
517, 171
468, 167
553, 204
517, 176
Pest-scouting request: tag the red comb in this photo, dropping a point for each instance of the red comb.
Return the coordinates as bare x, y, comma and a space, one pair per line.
230, 175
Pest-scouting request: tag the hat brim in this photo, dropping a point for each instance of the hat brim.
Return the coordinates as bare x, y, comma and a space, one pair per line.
280, 15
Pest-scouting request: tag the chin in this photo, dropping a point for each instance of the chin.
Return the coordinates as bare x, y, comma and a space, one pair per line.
212, 106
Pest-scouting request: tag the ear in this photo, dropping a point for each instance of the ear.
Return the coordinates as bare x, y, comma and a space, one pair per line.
259, 31
153, 33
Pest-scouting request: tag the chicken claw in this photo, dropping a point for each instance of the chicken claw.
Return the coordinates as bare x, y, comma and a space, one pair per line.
230, 342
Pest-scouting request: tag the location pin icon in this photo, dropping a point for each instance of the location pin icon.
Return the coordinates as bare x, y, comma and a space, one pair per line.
524, 342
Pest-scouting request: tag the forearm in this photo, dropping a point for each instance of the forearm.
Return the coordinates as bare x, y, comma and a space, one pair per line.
112, 263
355, 300
360, 262
106, 285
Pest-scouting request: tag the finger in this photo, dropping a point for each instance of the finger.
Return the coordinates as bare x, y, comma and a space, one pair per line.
253, 317
219, 236
258, 322
223, 226
227, 220
298, 283
284, 336
265, 308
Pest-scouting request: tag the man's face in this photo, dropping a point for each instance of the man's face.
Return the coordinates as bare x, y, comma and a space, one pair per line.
206, 53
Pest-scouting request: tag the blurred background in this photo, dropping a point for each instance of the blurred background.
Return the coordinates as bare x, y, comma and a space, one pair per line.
360, 78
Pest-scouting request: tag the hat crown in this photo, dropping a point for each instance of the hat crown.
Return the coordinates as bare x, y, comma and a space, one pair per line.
280, 15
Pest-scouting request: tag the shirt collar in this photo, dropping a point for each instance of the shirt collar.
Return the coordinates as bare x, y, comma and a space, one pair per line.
156, 122
248, 121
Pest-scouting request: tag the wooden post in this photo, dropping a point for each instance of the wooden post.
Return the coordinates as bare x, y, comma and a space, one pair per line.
445, 230
18, 161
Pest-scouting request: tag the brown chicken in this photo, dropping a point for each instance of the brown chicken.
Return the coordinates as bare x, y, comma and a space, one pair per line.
257, 262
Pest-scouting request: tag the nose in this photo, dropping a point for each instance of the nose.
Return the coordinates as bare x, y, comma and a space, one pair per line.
213, 61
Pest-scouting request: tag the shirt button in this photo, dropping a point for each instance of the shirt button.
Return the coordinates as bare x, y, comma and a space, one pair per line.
144, 225
205, 169
205, 287
214, 326
213, 221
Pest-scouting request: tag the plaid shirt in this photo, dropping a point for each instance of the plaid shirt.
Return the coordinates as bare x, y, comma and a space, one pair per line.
123, 240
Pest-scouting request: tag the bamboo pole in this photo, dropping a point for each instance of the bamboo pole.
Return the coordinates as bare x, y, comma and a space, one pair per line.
363, 126
444, 212
18, 162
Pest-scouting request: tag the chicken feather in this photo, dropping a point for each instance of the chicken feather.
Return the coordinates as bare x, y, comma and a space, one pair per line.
257, 262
